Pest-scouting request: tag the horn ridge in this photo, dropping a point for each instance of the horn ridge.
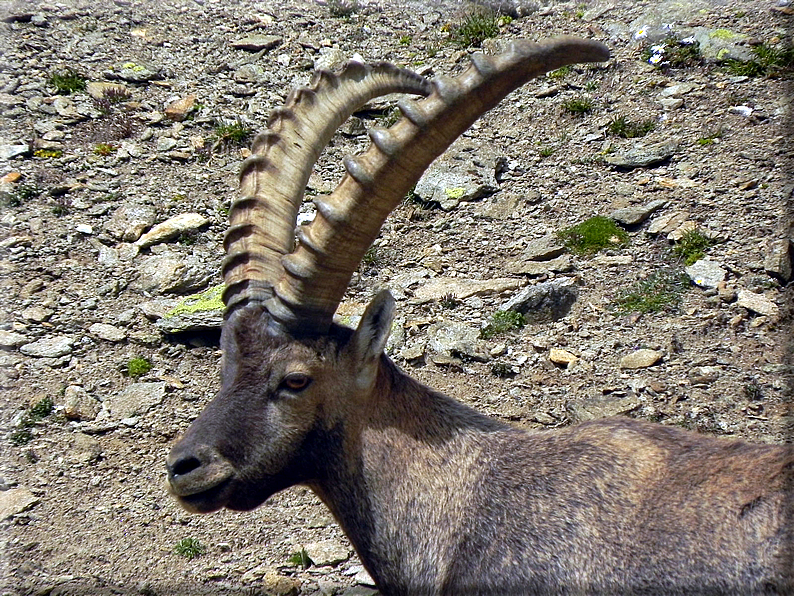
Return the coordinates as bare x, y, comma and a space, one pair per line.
273, 179
316, 277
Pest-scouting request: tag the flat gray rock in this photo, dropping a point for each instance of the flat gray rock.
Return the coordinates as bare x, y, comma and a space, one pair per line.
16, 500
636, 214
642, 155
550, 300
135, 400
257, 43
49, 347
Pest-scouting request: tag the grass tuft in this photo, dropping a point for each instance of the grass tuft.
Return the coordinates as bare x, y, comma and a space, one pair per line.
503, 321
578, 105
190, 548
67, 81
592, 235
621, 126
692, 246
477, 25
768, 61
36, 413
300, 559
661, 290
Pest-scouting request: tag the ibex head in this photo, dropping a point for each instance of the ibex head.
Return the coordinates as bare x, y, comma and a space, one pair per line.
289, 376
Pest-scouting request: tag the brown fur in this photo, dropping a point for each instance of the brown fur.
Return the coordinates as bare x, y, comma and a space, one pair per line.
439, 499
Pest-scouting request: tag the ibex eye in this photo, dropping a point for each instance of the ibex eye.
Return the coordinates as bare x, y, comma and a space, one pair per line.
296, 382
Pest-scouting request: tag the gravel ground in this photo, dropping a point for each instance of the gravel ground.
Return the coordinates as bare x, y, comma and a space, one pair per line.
84, 508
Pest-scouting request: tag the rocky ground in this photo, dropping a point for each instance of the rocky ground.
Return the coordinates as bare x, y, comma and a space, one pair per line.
89, 276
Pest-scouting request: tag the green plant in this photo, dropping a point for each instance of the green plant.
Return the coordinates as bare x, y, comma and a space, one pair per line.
660, 290
767, 61
591, 85
692, 246
67, 81
592, 235
560, 73
36, 413
674, 52
105, 149
300, 559
342, 8
752, 391
137, 367
19, 194
449, 300
709, 139
41, 409
47, 153
370, 257
390, 117
405, 40
229, 135
189, 237
477, 25
503, 321
62, 205
502, 370
190, 548
547, 151
578, 105
628, 129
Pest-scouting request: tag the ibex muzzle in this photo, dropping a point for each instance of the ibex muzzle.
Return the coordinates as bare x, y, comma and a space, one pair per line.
435, 497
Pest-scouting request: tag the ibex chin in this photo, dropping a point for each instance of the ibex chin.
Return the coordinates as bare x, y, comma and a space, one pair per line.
436, 497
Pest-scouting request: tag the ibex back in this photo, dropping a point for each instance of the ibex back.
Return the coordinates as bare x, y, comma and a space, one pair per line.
436, 497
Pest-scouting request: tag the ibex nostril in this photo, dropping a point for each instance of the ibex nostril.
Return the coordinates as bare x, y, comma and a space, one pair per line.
184, 466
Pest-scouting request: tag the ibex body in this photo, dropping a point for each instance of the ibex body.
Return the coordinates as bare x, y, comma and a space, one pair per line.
435, 497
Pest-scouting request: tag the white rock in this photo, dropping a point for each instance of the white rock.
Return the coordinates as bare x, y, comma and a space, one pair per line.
9, 339
107, 332
16, 500
439, 287
49, 347
135, 400
171, 228
757, 303
327, 552
706, 273
78, 405
640, 359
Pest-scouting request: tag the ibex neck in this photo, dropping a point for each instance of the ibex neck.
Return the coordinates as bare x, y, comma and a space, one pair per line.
406, 475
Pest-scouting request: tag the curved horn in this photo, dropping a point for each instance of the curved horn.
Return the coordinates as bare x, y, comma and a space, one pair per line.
331, 246
273, 180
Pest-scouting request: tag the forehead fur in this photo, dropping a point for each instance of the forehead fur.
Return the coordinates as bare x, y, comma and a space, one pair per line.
249, 335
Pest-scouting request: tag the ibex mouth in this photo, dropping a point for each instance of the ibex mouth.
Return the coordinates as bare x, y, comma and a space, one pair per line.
205, 501
202, 482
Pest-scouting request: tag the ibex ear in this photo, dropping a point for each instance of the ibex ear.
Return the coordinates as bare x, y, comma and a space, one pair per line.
373, 330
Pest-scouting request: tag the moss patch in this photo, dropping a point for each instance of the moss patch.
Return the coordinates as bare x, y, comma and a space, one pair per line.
207, 300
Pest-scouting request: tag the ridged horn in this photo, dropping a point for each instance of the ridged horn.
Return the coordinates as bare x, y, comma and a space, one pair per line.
273, 180
330, 248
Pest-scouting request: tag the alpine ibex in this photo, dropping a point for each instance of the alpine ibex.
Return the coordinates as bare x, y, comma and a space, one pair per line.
436, 497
